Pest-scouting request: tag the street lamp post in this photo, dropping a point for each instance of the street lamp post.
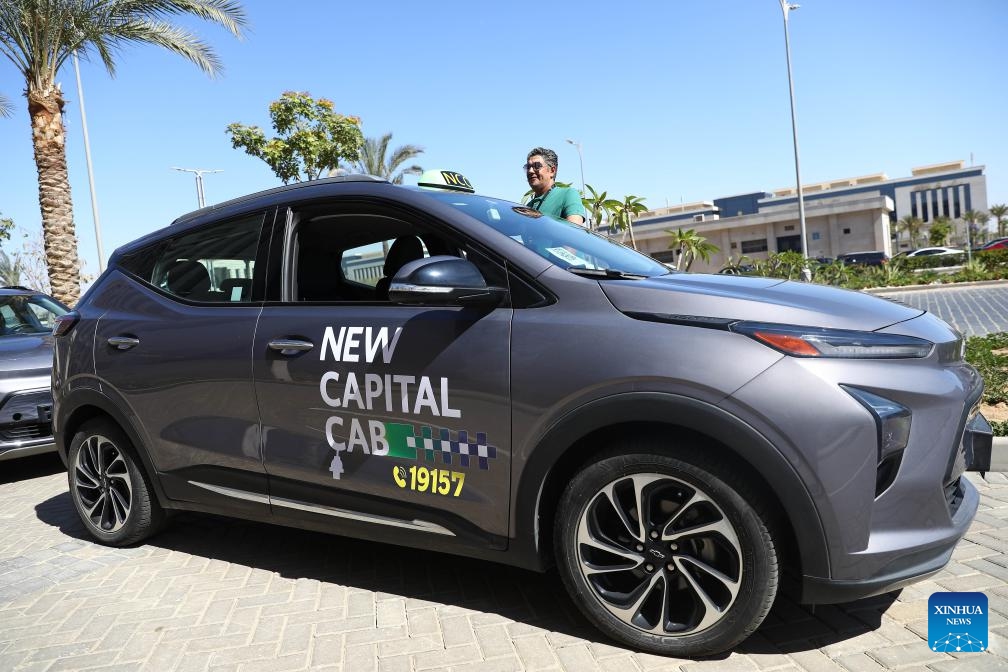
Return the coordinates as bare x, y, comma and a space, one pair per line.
90, 171
806, 272
580, 161
199, 181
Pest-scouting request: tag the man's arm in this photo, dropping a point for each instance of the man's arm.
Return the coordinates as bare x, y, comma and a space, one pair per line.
573, 210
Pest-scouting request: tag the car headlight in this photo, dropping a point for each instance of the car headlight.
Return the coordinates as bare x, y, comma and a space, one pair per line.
800, 341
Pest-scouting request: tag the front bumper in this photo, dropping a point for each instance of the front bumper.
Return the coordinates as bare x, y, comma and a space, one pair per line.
904, 570
26, 424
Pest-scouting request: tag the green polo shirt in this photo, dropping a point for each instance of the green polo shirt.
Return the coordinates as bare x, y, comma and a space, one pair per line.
559, 202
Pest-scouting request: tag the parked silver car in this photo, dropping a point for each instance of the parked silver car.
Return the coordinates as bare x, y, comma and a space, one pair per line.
26, 353
450, 371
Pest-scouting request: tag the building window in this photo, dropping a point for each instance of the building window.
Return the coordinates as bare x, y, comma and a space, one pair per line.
751, 246
734, 245
956, 204
789, 227
815, 235
664, 256
846, 231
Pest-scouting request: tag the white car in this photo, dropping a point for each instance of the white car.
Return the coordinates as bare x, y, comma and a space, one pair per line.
932, 251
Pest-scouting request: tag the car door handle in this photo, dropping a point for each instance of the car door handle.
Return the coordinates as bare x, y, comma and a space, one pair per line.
290, 346
123, 342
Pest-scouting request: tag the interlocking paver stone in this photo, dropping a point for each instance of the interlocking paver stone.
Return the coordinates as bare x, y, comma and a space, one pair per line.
216, 594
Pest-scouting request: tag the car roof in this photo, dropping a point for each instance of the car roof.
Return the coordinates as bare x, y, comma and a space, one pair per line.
18, 290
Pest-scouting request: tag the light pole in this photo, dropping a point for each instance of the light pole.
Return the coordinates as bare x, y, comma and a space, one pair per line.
806, 272
199, 181
90, 172
580, 161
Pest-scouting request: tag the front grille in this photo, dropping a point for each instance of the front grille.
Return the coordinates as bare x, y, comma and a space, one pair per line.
14, 433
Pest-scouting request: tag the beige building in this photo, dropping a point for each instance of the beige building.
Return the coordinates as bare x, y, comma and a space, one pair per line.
849, 215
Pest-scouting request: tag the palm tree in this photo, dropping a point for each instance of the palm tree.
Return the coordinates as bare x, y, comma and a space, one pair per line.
373, 162
691, 246
623, 214
1000, 213
972, 219
598, 206
940, 230
5, 107
38, 36
10, 269
912, 225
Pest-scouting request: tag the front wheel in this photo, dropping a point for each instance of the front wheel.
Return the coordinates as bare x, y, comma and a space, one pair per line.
108, 487
666, 554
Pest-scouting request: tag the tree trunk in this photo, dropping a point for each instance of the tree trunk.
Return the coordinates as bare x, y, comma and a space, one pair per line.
629, 226
49, 141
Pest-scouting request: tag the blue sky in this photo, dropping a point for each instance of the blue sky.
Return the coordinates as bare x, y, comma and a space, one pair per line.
673, 101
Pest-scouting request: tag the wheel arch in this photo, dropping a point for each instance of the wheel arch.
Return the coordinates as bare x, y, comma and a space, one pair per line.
87, 404
584, 432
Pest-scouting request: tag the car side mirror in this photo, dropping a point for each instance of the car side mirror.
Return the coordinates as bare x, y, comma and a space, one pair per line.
443, 281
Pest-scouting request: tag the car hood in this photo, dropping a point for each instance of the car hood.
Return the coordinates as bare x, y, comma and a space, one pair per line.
755, 299
25, 355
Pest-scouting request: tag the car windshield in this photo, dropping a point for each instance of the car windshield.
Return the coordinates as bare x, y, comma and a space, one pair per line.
22, 314
567, 245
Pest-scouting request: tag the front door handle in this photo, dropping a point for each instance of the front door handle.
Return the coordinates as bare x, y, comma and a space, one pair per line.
290, 346
123, 342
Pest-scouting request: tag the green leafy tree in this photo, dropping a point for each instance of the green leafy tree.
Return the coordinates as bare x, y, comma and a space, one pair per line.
598, 206
941, 228
38, 36
690, 246
912, 225
373, 159
6, 224
312, 138
1000, 213
623, 214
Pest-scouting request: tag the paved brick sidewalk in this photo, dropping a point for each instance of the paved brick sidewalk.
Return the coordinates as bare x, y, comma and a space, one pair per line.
975, 309
217, 594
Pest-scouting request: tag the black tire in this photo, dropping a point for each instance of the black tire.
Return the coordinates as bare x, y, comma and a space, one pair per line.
108, 485
658, 594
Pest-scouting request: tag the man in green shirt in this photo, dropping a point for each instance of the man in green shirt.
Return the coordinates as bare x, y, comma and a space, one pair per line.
549, 199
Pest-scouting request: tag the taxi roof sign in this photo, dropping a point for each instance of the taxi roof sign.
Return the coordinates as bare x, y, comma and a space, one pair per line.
445, 179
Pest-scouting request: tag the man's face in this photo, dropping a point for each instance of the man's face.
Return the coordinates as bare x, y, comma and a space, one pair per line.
540, 176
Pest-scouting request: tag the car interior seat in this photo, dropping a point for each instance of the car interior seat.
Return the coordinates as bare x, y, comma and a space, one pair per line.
188, 279
404, 250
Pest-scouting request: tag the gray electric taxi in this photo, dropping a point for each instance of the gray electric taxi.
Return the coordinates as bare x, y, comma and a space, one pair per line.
444, 370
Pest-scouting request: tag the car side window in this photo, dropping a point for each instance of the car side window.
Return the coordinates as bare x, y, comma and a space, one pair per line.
342, 256
213, 264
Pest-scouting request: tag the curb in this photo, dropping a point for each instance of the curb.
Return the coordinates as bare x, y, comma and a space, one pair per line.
999, 454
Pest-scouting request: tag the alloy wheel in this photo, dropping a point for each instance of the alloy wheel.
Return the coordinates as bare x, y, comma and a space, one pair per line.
659, 554
102, 484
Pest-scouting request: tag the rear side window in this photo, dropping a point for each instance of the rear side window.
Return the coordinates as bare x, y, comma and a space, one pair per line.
214, 264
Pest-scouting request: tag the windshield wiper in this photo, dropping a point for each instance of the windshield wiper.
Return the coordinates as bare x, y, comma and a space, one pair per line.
606, 273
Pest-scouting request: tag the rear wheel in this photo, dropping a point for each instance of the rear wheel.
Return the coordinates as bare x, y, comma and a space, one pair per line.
108, 487
667, 554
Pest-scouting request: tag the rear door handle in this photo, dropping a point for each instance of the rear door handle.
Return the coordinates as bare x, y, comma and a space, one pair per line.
123, 342
290, 346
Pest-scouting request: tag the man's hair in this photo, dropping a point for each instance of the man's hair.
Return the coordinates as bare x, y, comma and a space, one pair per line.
548, 154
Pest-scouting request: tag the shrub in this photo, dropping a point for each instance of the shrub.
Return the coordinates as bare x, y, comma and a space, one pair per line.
989, 354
